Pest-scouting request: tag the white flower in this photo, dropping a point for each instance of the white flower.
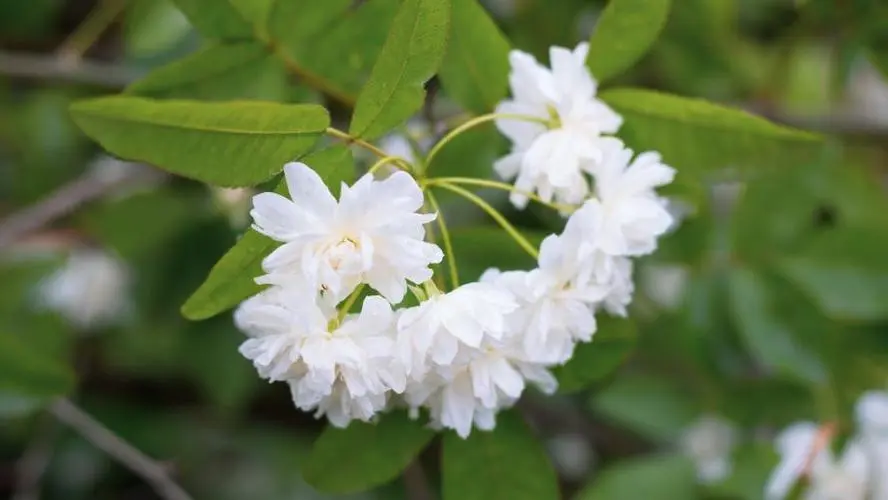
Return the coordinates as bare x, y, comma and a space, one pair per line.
344, 372
90, 290
709, 442
373, 234
550, 158
804, 450
434, 330
556, 301
633, 215
872, 413
476, 385
872, 421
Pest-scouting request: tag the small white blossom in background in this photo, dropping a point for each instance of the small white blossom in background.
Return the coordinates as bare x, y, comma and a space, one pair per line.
90, 290
857, 474
402, 144
571, 455
464, 354
709, 442
234, 203
665, 284
551, 156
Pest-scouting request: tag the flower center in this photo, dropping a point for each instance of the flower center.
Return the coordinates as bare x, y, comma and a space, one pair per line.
554, 119
342, 251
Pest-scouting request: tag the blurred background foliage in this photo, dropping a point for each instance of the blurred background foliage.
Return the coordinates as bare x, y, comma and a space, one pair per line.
767, 305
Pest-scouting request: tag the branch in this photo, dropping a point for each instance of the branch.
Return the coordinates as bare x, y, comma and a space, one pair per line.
105, 440
110, 76
415, 482
30, 468
65, 199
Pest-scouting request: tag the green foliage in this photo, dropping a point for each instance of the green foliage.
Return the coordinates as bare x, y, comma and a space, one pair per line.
160, 215
698, 137
28, 371
770, 340
472, 248
652, 407
217, 18
231, 144
508, 463
362, 456
475, 69
658, 477
332, 45
845, 272
593, 361
242, 70
231, 279
623, 34
410, 57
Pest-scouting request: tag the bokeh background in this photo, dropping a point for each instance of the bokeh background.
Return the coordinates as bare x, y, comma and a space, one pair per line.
766, 305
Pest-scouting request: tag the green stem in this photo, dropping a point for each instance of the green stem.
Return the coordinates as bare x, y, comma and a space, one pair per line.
495, 215
396, 160
445, 236
505, 187
474, 122
349, 139
349, 302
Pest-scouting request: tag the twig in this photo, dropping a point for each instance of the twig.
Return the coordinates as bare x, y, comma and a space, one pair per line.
43, 67
416, 483
64, 200
31, 467
89, 31
105, 440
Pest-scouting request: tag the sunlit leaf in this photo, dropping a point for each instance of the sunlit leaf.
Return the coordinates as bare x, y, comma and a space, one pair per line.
410, 57
235, 143
623, 34
475, 68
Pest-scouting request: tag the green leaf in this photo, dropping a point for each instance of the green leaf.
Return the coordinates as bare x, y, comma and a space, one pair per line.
363, 456
845, 271
236, 143
475, 69
770, 339
696, 136
331, 45
153, 26
410, 57
650, 406
231, 279
593, 361
507, 463
657, 477
623, 34
28, 371
244, 70
216, 18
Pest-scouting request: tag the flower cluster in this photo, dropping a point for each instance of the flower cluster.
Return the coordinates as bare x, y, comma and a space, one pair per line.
859, 473
464, 354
